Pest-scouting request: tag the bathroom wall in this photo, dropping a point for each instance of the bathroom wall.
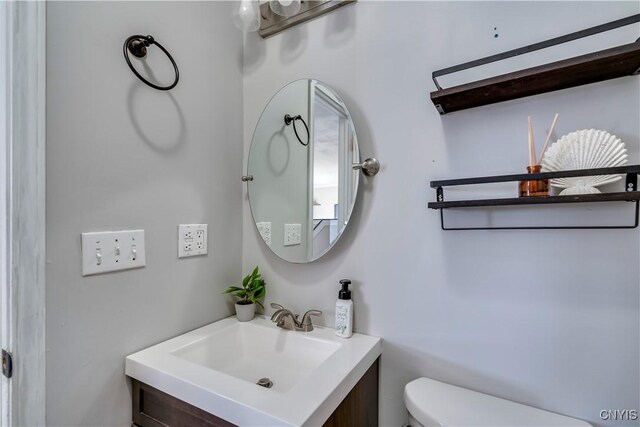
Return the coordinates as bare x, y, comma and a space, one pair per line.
121, 155
546, 318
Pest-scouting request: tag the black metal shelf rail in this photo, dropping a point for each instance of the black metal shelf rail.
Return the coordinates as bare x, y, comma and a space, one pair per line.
630, 195
536, 46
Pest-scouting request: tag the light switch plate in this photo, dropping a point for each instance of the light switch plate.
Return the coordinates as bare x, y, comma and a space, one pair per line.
264, 228
292, 234
107, 251
192, 240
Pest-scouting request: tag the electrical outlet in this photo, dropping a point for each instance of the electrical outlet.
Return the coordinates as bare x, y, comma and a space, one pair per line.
292, 234
192, 240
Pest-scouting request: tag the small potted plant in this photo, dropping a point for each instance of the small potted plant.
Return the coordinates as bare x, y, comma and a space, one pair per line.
253, 289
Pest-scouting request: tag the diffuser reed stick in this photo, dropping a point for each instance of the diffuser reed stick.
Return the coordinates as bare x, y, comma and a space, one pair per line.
532, 145
546, 142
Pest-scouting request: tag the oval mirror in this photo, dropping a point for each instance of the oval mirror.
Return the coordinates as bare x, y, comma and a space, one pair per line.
303, 185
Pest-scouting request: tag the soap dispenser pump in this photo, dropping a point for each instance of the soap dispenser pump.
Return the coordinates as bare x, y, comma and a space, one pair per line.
344, 311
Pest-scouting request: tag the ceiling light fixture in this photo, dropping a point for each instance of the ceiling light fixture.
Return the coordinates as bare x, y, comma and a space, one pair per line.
247, 16
285, 8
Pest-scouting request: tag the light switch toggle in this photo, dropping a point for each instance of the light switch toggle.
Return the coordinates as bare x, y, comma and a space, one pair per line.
112, 250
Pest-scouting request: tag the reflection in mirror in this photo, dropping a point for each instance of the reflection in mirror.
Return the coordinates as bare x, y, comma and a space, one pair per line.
301, 196
333, 152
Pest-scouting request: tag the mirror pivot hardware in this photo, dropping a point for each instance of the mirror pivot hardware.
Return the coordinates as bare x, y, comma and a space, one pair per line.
370, 167
247, 178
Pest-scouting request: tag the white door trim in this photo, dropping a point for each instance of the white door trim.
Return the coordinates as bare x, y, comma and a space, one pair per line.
5, 103
23, 323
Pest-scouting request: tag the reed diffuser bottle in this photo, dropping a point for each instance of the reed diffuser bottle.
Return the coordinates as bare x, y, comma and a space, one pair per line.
536, 187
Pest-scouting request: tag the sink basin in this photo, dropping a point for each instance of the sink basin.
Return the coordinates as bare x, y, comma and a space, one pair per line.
217, 367
252, 350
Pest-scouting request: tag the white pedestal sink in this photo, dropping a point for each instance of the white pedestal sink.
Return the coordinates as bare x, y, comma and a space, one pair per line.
216, 368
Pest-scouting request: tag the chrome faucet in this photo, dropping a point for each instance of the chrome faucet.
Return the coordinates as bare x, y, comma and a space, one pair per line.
286, 319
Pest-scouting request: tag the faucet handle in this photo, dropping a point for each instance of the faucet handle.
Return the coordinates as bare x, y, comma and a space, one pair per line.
275, 317
312, 313
306, 319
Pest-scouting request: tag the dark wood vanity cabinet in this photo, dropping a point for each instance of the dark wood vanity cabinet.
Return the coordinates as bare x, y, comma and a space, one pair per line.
154, 408
360, 407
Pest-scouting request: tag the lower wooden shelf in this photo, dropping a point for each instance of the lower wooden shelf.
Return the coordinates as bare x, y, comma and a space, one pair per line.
628, 196
631, 195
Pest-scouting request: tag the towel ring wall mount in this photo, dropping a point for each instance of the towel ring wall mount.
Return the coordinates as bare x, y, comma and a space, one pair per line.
137, 45
289, 119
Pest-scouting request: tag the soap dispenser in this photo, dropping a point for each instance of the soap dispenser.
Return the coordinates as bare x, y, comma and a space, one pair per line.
344, 311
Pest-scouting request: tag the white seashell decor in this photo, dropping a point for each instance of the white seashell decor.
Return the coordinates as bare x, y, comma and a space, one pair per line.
584, 149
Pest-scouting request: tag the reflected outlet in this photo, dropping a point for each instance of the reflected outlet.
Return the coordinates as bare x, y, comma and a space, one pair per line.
292, 234
264, 228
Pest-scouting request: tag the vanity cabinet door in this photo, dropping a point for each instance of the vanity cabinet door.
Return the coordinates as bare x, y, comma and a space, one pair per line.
154, 408
360, 407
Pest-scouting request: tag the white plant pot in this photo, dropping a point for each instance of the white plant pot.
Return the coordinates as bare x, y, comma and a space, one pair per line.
245, 312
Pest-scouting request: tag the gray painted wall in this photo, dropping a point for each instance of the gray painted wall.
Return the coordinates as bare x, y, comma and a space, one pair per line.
121, 155
547, 318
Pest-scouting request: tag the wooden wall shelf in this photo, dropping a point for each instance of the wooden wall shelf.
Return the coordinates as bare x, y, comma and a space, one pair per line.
631, 195
625, 196
594, 67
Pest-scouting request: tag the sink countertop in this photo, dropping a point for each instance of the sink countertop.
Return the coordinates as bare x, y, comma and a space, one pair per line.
215, 367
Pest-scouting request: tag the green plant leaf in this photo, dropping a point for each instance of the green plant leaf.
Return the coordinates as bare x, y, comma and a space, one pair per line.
260, 293
253, 288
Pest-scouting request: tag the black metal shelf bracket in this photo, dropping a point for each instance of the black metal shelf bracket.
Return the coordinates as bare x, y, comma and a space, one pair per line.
564, 227
631, 194
536, 46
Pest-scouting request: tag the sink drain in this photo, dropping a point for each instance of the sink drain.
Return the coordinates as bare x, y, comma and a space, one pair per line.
265, 382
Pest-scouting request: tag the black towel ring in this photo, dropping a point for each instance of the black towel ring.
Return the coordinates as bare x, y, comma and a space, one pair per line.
137, 46
287, 121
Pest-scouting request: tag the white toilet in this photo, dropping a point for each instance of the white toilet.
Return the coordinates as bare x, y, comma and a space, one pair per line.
433, 403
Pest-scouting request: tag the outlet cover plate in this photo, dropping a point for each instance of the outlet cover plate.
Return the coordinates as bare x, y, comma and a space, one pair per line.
107, 251
192, 240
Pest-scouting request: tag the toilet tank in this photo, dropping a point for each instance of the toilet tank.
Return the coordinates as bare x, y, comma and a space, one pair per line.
433, 403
